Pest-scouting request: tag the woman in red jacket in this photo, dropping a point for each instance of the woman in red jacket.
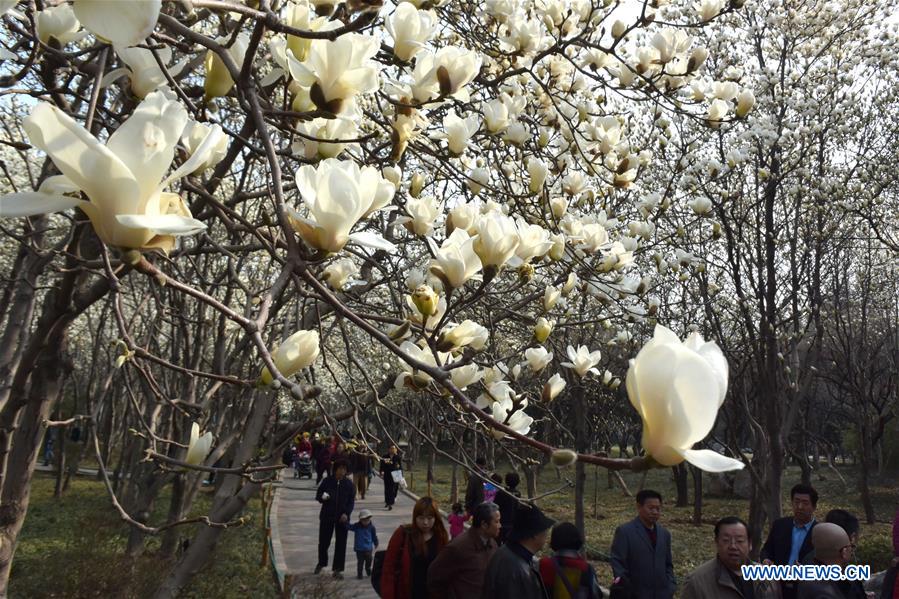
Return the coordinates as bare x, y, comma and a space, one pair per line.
411, 550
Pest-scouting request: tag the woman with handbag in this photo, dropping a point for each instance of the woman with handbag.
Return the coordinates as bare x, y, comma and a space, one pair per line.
411, 550
392, 471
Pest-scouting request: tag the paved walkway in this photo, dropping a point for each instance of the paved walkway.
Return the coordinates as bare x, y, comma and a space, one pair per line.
294, 523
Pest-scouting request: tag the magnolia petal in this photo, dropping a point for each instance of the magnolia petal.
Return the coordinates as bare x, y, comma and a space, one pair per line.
203, 152
87, 163
128, 24
372, 240
694, 406
31, 203
110, 77
146, 141
710, 461
162, 224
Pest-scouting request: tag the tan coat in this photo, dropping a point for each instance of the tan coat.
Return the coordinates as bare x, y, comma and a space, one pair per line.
712, 581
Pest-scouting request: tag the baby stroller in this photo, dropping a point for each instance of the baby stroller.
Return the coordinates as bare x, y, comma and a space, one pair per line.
302, 465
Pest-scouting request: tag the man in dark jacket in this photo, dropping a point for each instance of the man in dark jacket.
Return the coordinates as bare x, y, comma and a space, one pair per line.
337, 496
512, 572
458, 571
390, 463
641, 551
507, 502
789, 541
474, 492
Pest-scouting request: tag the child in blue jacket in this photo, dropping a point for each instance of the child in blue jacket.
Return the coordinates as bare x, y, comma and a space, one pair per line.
365, 542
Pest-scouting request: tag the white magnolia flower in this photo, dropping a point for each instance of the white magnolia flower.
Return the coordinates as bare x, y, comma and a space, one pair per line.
193, 136
537, 171
521, 34
671, 43
456, 261
553, 387
339, 272
504, 411
462, 335
709, 9
725, 90
218, 80
410, 29
429, 322
533, 242
422, 212
538, 358
199, 446
582, 360
58, 22
337, 71
570, 283
618, 257
594, 237
143, 70
700, 205
574, 183
464, 216
543, 328
311, 145
551, 297
123, 179
337, 194
458, 132
299, 16
294, 354
412, 377
445, 72
745, 103
516, 134
463, 376
477, 180
677, 388
558, 248
128, 24
497, 239
717, 112
496, 113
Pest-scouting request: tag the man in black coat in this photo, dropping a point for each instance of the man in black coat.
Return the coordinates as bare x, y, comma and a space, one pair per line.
790, 540
641, 551
337, 494
390, 463
512, 572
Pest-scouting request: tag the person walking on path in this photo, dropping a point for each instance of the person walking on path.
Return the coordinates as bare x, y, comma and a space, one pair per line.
831, 547
474, 492
507, 502
512, 573
322, 455
391, 463
365, 541
721, 577
567, 575
641, 551
337, 496
360, 464
411, 550
789, 541
458, 572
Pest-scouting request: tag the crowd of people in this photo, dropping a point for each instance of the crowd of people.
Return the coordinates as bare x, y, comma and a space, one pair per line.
496, 556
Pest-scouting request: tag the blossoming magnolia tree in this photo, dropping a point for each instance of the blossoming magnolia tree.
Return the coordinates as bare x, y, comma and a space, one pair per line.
333, 208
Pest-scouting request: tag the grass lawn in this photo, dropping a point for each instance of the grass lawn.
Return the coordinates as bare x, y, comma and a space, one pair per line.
692, 545
73, 547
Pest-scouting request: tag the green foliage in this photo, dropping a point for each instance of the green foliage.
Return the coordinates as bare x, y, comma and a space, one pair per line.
74, 547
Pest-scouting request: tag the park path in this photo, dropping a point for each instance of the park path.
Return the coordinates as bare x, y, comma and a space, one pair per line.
294, 524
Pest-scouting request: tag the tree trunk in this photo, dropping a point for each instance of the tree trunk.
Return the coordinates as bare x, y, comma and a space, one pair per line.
530, 477
176, 512
230, 499
697, 496
865, 470
680, 481
60, 462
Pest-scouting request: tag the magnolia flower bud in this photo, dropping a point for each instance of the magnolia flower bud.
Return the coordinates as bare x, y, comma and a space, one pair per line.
296, 352
569, 284
393, 174
416, 185
537, 172
199, 446
425, 299
552, 388
542, 329
558, 249
618, 29
563, 458
551, 297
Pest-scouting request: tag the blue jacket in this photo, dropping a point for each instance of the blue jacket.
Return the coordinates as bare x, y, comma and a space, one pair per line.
366, 538
341, 498
649, 569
